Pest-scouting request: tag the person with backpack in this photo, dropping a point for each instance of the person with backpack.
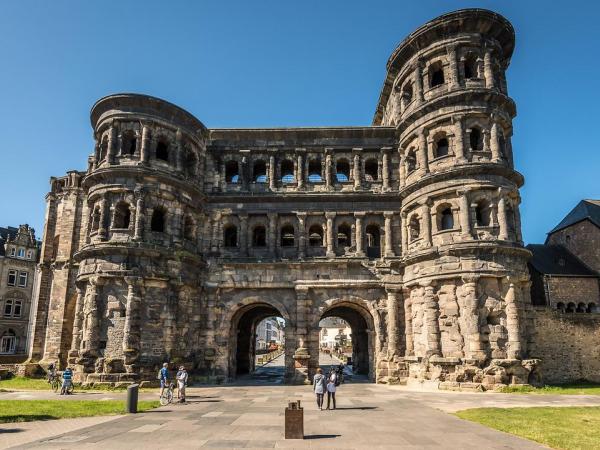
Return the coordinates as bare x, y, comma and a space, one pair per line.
332, 383
163, 377
67, 380
319, 387
182, 378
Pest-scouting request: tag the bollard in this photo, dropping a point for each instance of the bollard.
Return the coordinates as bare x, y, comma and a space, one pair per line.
132, 398
294, 421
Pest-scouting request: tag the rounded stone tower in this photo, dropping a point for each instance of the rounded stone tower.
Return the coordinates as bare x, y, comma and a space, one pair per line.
142, 239
465, 279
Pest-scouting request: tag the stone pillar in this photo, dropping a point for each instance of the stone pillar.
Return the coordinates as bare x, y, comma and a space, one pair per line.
404, 228
463, 214
512, 322
419, 97
77, 325
330, 216
273, 234
385, 168
145, 150
214, 248
517, 213
408, 332
178, 151
459, 140
356, 170
360, 248
328, 170
301, 234
388, 246
452, 59
488, 69
104, 212
112, 143
426, 212
402, 169
138, 233
392, 323
495, 143
300, 169
502, 222
243, 234
301, 355
177, 234
131, 329
91, 324
272, 172
470, 315
422, 154
430, 316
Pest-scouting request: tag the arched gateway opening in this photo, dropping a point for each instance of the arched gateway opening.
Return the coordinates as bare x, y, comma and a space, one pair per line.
257, 333
353, 326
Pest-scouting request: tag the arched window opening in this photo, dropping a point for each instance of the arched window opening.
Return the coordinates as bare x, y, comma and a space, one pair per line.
162, 150
581, 308
260, 171
483, 214
122, 216
314, 170
476, 139
129, 143
103, 149
441, 147
287, 236
571, 307
592, 308
189, 228
230, 236
191, 163
411, 161
315, 236
342, 170
501, 143
511, 221
560, 306
232, 172
407, 94
470, 67
371, 169
287, 171
259, 236
436, 74
414, 228
447, 219
96, 219
157, 223
343, 236
373, 235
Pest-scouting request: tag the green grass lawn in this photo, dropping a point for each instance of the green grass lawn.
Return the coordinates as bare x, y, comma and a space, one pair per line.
29, 410
579, 388
40, 384
567, 428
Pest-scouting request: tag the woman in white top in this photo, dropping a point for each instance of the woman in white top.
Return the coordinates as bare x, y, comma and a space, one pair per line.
319, 385
331, 382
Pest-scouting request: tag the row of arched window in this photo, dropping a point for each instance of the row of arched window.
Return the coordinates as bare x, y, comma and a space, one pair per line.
580, 307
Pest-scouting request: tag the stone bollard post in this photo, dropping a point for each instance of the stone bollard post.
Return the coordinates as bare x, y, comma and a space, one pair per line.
132, 398
294, 421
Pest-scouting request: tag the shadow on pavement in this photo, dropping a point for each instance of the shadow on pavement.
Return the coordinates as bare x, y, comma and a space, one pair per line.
11, 430
321, 436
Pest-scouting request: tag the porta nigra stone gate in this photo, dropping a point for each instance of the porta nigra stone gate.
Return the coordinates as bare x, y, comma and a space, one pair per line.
178, 239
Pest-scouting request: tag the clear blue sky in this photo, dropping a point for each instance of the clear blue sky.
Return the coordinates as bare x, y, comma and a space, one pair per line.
279, 63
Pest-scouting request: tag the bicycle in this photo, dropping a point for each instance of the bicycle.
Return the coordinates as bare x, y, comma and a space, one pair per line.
69, 389
54, 383
167, 395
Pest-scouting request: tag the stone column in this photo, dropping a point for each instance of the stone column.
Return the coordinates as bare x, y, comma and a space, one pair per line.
360, 248
112, 143
517, 214
356, 170
392, 323
408, 332
452, 59
388, 246
404, 231
131, 329
431, 313
459, 140
104, 212
214, 248
463, 214
91, 331
177, 234
300, 169
385, 168
273, 234
402, 168
495, 143
330, 216
178, 151
470, 315
419, 97
244, 234
138, 233
426, 211
512, 321
272, 184
502, 222
145, 149
77, 325
488, 69
302, 355
301, 234
422, 154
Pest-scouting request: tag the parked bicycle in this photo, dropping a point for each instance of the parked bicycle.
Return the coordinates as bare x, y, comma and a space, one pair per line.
167, 395
54, 382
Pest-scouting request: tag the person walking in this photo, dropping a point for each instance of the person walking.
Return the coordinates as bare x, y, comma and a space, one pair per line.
163, 376
319, 382
182, 378
331, 385
67, 380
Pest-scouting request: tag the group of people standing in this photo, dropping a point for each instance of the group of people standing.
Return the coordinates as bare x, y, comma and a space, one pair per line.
181, 377
327, 384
